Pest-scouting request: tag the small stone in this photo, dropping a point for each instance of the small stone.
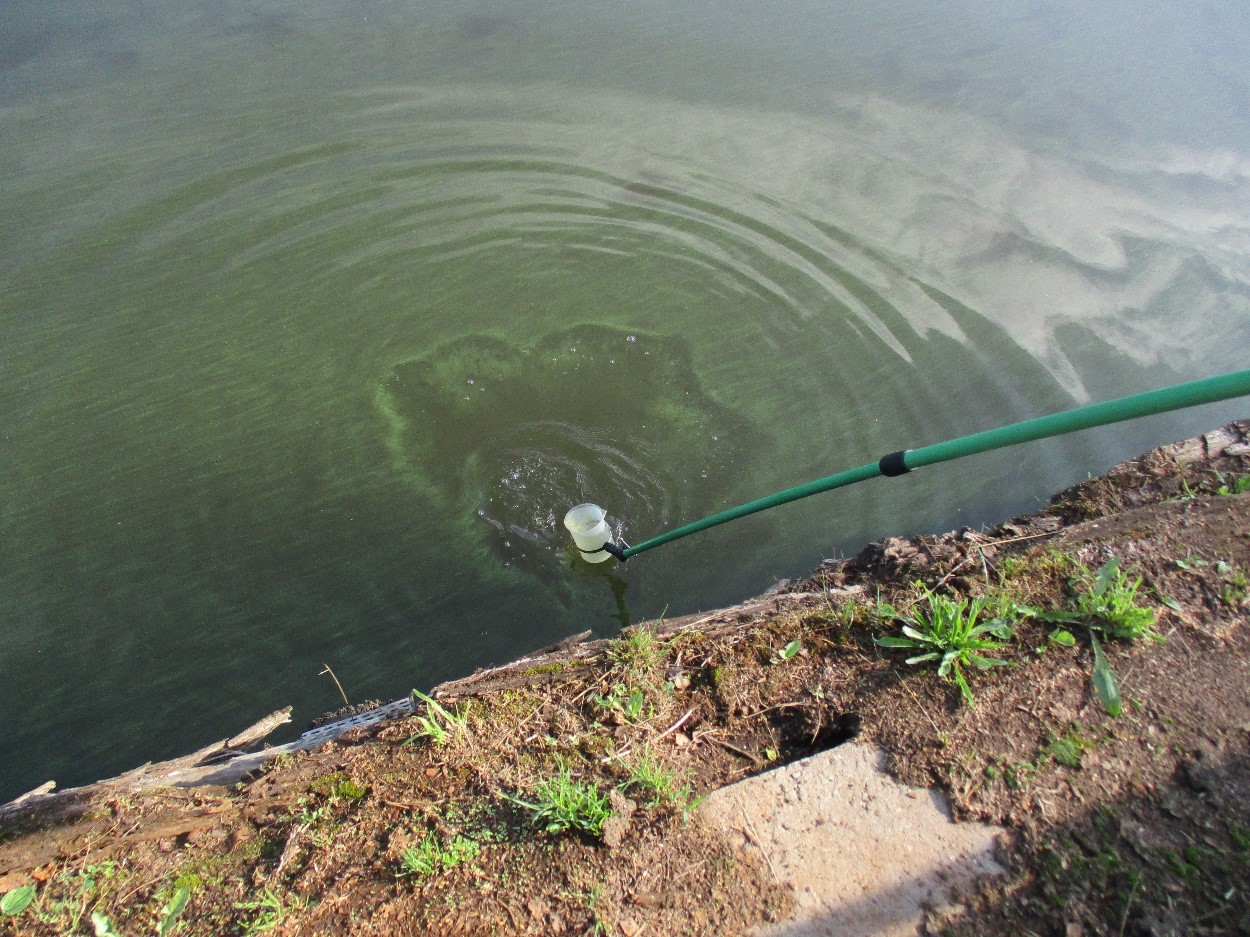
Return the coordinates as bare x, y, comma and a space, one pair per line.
13, 880
400, 839
621, 805
1200, 772
1173, 804
1138, 836
1063, 714
681, 739
939, 918
614, 831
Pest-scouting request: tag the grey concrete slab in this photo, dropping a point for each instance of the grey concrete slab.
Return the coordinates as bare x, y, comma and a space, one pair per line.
865, 855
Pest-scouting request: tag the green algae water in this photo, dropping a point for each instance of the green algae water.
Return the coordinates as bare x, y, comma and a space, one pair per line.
315, 319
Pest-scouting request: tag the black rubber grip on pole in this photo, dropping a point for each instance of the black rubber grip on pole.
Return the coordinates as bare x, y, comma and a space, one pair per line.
892, 465
618, 552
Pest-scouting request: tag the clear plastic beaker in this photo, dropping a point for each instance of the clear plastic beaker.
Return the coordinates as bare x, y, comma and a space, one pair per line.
589, 526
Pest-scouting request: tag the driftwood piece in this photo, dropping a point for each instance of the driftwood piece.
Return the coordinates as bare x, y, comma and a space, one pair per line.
153, 775
40, 791
200, 767
261, 730
1230, 440
559, 662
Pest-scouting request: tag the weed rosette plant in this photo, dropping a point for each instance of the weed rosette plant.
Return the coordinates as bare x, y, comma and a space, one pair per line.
1106, 603
951, 633
623, 701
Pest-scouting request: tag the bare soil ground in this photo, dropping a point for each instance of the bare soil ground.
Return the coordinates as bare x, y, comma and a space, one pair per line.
1130, 825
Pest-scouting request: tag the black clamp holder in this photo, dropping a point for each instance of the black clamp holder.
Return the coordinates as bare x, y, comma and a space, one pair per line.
610, 547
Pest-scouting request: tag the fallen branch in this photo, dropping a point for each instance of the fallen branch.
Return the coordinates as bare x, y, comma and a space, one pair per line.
797, 704
671, 729
754, 759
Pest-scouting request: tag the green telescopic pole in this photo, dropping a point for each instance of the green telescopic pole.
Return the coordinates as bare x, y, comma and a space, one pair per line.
1178, 397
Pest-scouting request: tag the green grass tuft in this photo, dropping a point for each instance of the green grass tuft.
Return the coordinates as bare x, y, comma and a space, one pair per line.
657, 782
636, 651
562, 803
429, 856
270, 912
437, 723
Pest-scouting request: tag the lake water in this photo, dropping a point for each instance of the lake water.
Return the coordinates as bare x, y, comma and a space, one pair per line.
316, 317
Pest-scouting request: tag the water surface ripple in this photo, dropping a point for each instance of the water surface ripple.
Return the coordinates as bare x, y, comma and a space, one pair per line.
305, 384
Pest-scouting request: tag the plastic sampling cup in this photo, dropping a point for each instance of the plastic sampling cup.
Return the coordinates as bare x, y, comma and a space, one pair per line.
589, 526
